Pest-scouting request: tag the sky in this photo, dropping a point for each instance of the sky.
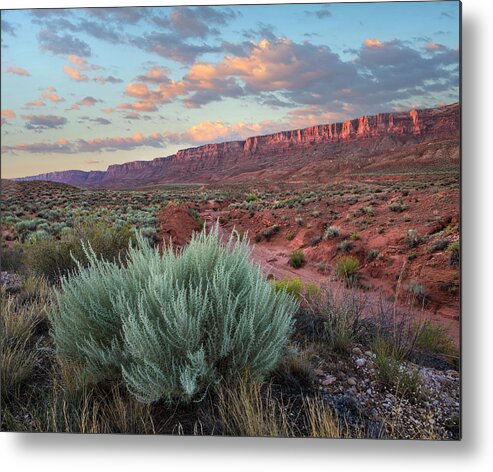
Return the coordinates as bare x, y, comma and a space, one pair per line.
87, 88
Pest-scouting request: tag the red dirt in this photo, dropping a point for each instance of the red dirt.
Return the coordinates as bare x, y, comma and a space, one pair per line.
176, 224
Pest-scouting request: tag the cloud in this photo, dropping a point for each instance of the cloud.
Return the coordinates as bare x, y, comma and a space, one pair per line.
52, 96
195, 22
138, 106
320, 14
99, 31
109, 79
155, 75
108, 111
7, 28
43, 122
217, 131
432, 47
373, 43
120, 16
63, 146
88, 101
99, 120
172, 46
58, 147
75, 74
18, 71
10, 114
63, 44
81, 63
35, 103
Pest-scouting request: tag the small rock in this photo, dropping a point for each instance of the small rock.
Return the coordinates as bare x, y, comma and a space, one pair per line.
330, 379
351, 381
357, 351
318, 372
360, 362
369, 353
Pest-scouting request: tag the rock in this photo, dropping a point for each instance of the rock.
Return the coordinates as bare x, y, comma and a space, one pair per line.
10, 281
369, 353
357, 351
360, 362
330, 379
318, 372
351, 381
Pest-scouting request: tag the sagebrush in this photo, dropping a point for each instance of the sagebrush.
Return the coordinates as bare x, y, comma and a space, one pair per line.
171, 325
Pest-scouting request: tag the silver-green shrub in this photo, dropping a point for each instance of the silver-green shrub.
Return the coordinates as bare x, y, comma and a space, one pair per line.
173, 325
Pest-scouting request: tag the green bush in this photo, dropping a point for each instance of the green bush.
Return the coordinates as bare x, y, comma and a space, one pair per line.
454, 253
251, 197
347, 268
297, 259
172, 325
53, 258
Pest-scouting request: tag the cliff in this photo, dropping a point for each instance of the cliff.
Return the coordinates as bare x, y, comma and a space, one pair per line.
279, 154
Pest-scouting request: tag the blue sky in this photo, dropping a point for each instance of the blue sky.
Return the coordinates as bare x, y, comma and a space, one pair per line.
86, 88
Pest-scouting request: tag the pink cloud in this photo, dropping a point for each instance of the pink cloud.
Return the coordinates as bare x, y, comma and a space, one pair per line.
35, 103
18, 71
75, 74
52, 96
10, 114
373, 43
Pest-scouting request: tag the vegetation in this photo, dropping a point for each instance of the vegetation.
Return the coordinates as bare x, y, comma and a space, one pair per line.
347, 268
129, 321
454, 253
297, 259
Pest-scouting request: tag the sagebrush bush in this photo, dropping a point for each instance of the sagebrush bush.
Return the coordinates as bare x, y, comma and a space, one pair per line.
172, 325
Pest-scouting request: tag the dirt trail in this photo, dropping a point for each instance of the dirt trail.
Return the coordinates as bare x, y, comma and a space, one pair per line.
274, 262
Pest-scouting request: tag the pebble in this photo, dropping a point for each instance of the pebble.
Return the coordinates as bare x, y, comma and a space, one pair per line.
330, 379
351, 381
360, 362
357, 351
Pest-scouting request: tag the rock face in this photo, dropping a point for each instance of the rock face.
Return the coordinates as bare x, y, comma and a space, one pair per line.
349, 144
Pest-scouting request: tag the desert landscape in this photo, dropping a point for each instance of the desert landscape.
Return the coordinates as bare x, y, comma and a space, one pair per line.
358, 222
232, 220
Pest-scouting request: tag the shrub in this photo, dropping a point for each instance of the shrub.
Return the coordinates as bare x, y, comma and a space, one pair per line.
413, 238
251, 197
315, 240
289, 235
355, 236
438, 246
372, 254
345, 246
416, 290
270, 231
12, 258
51, 258
454, 253
331, 232
171, 325
299, 221
347, 268
398, 207
293, 286
341, 317
297, 259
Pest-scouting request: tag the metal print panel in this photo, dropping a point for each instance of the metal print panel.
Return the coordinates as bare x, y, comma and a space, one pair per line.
235, 220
